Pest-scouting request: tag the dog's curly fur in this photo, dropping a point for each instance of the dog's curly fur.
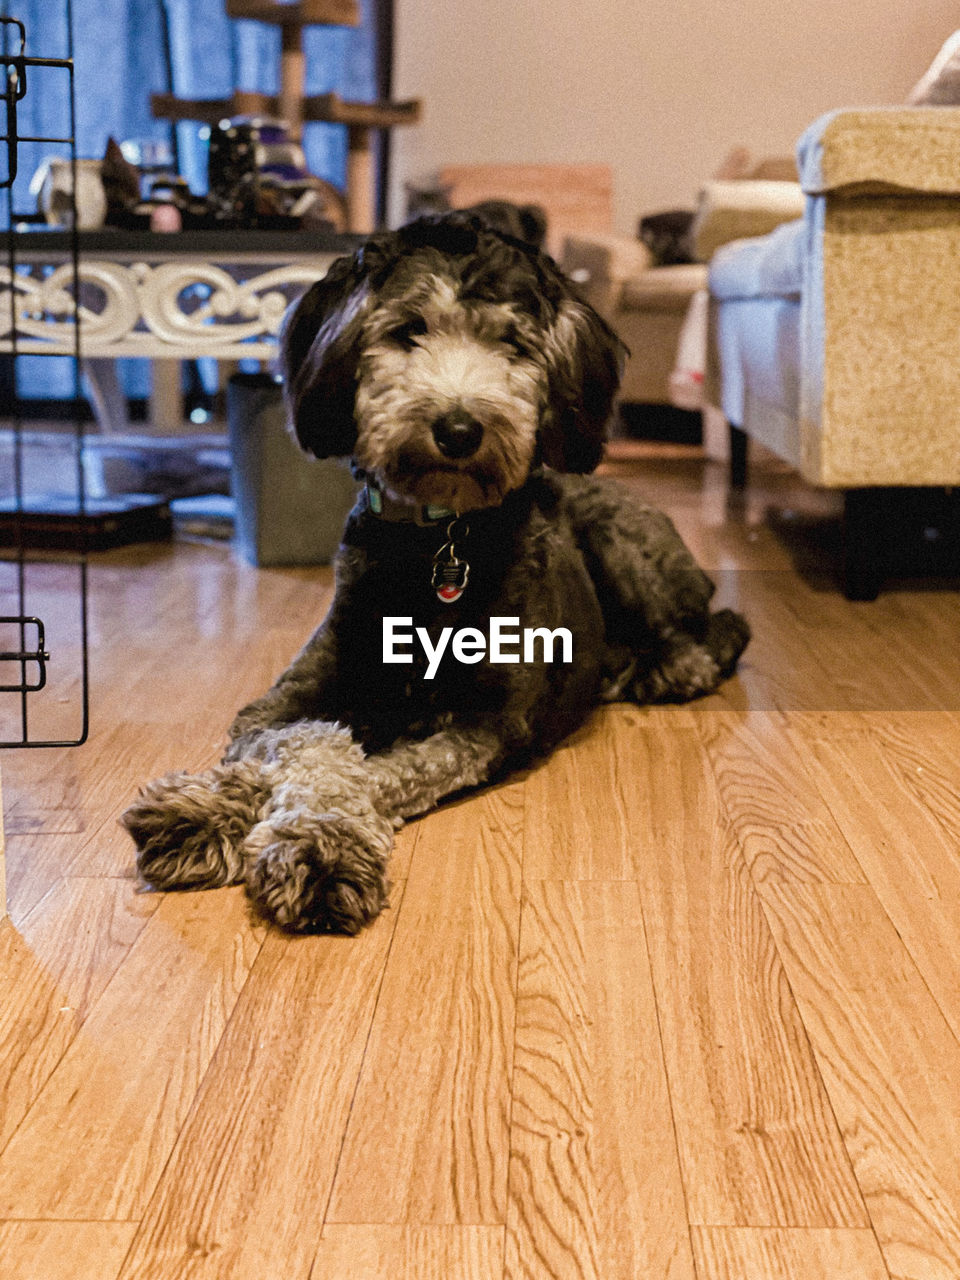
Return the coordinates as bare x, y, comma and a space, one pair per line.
456, 367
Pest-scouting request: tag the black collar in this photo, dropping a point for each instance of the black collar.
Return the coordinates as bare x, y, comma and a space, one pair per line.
381, 504
480, 538
395, 511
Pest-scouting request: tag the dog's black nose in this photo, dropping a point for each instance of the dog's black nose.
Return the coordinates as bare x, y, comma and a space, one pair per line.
457, 434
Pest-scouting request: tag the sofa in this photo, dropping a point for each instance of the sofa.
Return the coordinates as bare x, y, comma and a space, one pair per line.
834, 341
654, 309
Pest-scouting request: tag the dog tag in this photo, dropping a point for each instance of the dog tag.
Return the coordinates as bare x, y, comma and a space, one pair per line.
449, 578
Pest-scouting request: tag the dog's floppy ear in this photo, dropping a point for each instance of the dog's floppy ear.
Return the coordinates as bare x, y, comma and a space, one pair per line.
319, 354
585, 360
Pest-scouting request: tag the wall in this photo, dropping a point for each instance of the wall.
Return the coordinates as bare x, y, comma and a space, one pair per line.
659, 89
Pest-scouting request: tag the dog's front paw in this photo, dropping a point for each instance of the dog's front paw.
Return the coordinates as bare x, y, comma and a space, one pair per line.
323, 875
189, 829
728, 634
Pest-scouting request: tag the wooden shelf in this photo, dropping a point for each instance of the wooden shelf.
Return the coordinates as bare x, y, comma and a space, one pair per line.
365, 115
166, 106
328, 107
308, 13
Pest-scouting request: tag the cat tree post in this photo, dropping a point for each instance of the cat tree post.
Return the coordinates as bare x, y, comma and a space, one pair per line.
359, 118
292, 76
292, 18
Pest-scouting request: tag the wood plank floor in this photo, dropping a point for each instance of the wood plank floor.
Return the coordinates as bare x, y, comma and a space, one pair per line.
681, 1003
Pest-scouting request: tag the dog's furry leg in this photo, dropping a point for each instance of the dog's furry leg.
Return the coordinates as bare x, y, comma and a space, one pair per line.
318, 859
316, 862
317, 872
412, 777
650, 586
644, 574
728, 634
189, 829
291, 811
687, 667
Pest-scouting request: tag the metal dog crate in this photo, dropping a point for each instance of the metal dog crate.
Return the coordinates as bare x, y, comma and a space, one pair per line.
44, 670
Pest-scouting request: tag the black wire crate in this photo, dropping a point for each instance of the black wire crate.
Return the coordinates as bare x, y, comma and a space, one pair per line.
44, 658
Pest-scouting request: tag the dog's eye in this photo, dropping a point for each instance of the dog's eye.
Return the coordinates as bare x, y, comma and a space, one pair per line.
405, 335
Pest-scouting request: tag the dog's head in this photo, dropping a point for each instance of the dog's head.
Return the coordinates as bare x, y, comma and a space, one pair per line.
446, 358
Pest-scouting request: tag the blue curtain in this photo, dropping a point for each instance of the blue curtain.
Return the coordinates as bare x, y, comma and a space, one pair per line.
119, 61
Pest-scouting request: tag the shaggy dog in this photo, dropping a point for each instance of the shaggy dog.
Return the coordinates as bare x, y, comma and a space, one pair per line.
471, 388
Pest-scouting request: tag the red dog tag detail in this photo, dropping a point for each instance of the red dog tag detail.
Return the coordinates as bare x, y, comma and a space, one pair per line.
449, 579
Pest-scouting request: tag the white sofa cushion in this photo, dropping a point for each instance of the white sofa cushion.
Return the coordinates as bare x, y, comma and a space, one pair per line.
737, 210
664, 288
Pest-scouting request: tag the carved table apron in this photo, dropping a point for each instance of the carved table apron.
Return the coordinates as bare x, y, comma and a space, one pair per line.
166, 297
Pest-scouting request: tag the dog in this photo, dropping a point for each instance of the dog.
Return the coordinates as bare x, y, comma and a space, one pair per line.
471, 387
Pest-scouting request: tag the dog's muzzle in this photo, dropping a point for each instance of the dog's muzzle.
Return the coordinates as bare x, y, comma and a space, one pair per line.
457, 434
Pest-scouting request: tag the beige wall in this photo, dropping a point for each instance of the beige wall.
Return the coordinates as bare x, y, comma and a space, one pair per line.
658, 89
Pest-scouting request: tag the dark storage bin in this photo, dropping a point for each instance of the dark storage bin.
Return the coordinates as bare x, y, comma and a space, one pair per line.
290, 508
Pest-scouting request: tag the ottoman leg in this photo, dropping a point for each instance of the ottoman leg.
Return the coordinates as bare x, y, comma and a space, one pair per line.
738, 457
863, 535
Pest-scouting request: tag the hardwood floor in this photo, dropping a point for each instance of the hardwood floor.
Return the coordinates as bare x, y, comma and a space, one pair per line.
681, 1003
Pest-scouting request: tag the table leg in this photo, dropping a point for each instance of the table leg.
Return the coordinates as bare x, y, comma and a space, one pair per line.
166, 399
106, 395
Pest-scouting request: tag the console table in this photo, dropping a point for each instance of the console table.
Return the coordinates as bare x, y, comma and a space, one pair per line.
163, 296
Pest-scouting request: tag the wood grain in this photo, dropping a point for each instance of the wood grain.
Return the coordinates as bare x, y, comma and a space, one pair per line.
63, 1250
226, 631
594, 842
730, 1253
924, 750
428, 1138
404, 847
244, 1193
51, 803
100, 1131
909, 856
926, 625
52, 972
594, 1176
817, 652
890, 1063
35, 864
758, 1142
784, 826
3, 865
409, 1253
